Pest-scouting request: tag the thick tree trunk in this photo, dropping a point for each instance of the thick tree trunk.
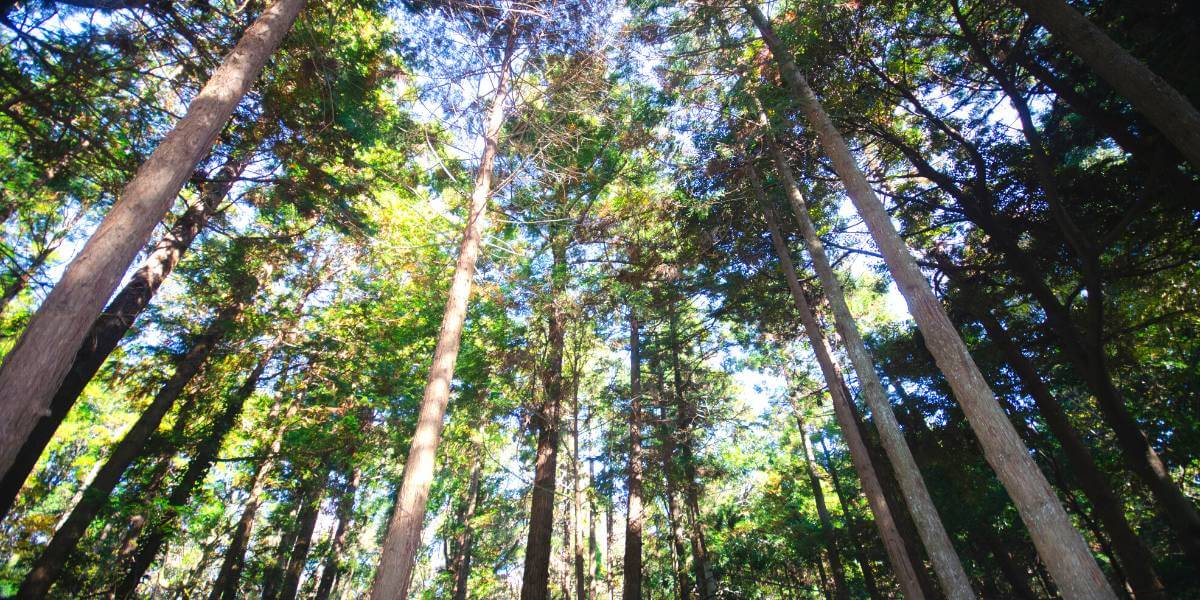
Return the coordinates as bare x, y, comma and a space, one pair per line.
197, 469
631, 587
857, 541
394, 573
536, 581
307, 523
230, 574
1060, 546
1167, 109
108, 329
840, 398
840, 590
95, 496
36, 366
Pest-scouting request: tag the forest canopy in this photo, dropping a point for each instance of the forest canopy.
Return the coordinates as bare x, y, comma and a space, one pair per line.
582, 299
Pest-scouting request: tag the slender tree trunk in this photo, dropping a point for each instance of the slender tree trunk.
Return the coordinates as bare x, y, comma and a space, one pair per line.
308, 522
536, 581
341, 536
397, 557
942, 554
839, 396
1060, 546
1167, 109
272, 576
581, 581
36, 366
685, 421
95, 496
631, 588
856, 533
21, 280
461, 565
108, 329
197, 469
230, 574
840, 589
682, 583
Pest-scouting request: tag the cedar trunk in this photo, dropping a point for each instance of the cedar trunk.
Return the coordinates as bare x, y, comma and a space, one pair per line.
631, 587
36, 366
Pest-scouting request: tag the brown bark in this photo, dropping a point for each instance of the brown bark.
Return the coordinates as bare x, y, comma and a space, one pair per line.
582, 588
394, 573
108, 329
461, 565
230, 574
1167, 109
1060, 546
535, 583
197, 469
36, 366
631, 587
840, 589
856, 533
840, 398
307, 523
341, 536
942, 554
95, 496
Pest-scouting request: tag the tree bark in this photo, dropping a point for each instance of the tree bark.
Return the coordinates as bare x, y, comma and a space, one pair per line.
674, 519
394, 573
95, 496
582, 589
631, 586
942, 554
36, 366
108, 329
197, 469
341, 535
840, 398
308, 522
230, 574
856, 532
831, 547
1167, 109
535, 584
461, 566
1060, 546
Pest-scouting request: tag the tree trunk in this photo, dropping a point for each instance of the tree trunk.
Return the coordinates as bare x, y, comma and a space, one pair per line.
946, 563
230, 574
839, 395
272, 575
36, 366
108, 329
674, 518
341, 535
461, 565
631, 587
536, 581
581, 581
1166, 108
394, 573
685, 421
307, 523
856, 533
21, 280
1061, 547
1134, 556
197, 469
831, 547
95, 496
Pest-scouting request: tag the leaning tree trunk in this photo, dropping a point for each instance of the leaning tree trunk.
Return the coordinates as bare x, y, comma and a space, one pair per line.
308, 522
946, 563
535, 584
901, 562
397, 557
852, 522
1059, 544
108, 329
631, 586
197, 469
95, 496
36, 366
1166, 108
230, 574
831, 546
